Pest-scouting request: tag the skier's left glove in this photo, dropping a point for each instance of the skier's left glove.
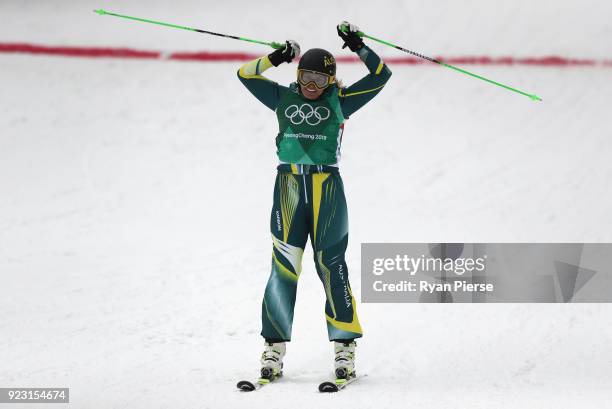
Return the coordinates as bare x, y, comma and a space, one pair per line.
286, 54
348, 32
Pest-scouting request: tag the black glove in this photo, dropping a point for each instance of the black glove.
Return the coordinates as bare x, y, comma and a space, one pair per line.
285, 54
350, 36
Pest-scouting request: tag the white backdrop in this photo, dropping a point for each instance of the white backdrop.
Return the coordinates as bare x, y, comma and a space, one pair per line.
135, 197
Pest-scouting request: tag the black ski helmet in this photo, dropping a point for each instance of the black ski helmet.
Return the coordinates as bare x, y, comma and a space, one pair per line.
319, 60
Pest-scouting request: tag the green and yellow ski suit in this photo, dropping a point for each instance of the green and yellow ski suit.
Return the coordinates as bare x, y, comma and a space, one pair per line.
309, 195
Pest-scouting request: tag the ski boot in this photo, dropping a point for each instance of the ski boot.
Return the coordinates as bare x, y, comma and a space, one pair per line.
272, 360
345, 359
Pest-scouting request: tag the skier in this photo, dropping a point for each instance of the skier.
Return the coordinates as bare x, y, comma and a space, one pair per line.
308, 193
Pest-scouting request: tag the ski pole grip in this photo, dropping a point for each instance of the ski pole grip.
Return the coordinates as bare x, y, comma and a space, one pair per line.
277, 45
344, 29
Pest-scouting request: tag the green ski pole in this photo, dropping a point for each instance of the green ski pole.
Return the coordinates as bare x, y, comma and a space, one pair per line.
108, 13
362, 34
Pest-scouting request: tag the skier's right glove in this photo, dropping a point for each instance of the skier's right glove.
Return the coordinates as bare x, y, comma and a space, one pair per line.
286, 54
348, 32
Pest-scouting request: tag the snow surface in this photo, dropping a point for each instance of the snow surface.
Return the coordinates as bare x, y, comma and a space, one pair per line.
135, 197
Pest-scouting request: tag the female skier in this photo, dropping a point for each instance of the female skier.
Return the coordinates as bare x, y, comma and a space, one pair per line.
308, 192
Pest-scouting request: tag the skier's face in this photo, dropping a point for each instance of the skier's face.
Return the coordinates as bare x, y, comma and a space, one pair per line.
313, 83
310, 91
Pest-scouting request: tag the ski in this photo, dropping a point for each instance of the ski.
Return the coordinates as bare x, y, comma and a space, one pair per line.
337, 385
248, 386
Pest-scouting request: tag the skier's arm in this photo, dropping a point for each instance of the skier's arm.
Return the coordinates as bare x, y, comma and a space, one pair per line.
360, 93
265, 90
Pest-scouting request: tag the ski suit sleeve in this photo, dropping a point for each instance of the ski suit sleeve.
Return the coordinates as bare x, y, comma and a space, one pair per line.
266, 91
360, 93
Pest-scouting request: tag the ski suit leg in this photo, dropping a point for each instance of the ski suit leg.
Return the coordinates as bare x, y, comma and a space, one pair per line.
329, 238
289, 228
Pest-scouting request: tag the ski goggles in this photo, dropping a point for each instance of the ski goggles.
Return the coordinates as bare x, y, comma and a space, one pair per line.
320, 80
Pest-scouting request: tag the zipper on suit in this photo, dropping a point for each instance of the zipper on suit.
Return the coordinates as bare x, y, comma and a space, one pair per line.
305, 193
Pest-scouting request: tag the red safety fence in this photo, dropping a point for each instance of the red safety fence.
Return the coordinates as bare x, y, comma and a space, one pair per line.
226, 56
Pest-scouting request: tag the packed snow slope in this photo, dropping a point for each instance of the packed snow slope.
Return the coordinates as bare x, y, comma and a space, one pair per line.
135, 199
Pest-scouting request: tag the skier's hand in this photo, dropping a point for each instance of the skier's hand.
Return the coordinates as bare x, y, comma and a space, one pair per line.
285, 54
348, 33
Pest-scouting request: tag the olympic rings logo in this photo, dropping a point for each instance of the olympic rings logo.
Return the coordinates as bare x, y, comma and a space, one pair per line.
305, 112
